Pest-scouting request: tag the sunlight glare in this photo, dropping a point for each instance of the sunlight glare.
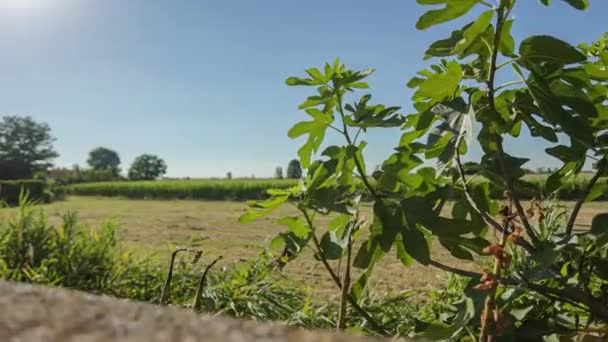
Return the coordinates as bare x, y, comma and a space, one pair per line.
22, 4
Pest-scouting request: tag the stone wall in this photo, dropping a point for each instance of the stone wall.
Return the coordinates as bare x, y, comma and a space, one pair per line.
36, 313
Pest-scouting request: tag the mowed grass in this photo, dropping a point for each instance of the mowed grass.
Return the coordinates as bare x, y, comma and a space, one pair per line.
155, 227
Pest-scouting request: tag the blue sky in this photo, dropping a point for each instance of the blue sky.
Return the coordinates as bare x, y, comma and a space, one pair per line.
201, 82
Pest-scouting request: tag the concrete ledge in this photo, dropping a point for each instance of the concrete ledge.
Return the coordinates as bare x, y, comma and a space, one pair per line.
37, 313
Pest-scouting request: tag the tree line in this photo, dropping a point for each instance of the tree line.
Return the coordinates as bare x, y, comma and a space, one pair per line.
27, 151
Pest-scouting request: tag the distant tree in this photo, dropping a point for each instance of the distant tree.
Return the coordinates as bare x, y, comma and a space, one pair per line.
147, 167
102, 158
294, 170
377, 172
228, 175
278, 173
26, 147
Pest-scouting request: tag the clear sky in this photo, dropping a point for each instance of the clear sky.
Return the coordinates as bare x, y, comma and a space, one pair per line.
201, 82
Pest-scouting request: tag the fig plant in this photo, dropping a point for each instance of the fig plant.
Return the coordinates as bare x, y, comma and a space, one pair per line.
546, 278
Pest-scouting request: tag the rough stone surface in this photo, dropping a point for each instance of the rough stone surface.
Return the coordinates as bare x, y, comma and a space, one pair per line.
36, 313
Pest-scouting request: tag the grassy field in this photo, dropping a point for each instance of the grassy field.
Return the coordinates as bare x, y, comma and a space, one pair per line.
151, 226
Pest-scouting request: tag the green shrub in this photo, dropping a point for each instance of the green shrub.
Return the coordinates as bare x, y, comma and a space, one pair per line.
11, 190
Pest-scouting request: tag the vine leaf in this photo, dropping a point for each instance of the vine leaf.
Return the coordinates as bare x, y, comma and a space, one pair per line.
315, 129
260, 209
453, 9
599, 225
578, 4
538, 49
457, 127
437, 86
460, 40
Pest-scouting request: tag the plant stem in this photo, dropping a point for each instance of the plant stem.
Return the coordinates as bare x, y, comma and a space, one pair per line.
358, 164
164, 296
196, 307
347, 279
372, 322
601, 168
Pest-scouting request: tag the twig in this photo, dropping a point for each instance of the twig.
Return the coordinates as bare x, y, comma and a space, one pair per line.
196, 307
572, 295
454, 270
164, 296
601, 168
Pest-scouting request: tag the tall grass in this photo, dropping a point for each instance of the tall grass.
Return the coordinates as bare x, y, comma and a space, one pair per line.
182, 189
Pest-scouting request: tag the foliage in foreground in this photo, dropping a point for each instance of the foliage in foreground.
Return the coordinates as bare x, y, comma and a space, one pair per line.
544, 280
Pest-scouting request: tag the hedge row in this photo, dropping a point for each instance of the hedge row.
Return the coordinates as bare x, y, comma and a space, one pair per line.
36, 190
182, 189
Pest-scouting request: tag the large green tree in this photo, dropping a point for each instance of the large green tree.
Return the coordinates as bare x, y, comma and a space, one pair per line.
26, 147
147, 167
102, 158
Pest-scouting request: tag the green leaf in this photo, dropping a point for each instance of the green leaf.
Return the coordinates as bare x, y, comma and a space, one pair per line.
552, 109
538, 49
460, 40
599, 225
578, 4
415, 244
330, 249
316, 133
260, 209
458, 119
598, 190
507, 43
438, 86
367, 116
521, 313
296, 226
452, 10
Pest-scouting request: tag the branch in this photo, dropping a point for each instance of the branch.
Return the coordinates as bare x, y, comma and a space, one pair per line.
372, 322
601, 168
569, 294
520, 209
454, 270
492, 103
201, 285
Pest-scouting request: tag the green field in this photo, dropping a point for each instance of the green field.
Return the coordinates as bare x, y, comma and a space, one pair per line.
154, 226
